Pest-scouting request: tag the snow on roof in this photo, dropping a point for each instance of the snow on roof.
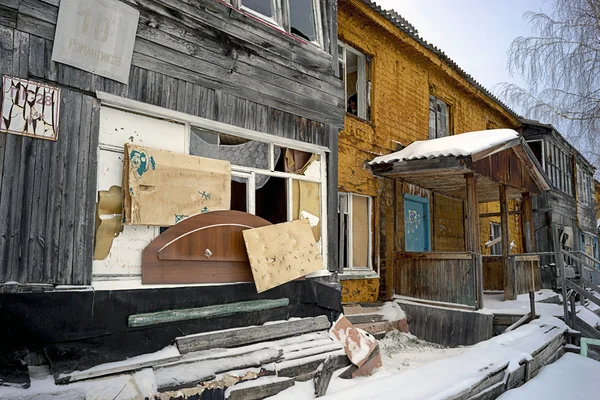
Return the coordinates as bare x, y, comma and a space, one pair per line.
465, 144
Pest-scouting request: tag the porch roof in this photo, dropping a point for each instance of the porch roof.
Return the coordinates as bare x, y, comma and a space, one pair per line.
496, 157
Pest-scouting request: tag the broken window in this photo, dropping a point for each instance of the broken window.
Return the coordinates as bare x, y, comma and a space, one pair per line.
355, 230
495, 233
355, 68
536, 148
301, 18
439, 118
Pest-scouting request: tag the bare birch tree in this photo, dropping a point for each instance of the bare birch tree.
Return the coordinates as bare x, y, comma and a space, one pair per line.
560, 64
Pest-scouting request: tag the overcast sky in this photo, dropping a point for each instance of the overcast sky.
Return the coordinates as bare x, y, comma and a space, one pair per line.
474, 33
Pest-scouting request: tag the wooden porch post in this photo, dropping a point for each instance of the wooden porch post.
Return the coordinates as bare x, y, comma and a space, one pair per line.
472, 234
509, 289
527, 224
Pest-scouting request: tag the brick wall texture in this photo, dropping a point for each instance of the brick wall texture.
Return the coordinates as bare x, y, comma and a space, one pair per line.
404, 75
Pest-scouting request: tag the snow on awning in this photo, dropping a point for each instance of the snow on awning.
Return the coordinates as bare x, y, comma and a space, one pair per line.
464, 144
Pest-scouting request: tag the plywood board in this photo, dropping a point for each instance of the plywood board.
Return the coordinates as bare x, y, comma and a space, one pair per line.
281, 253
360, 231
163, 188
306, 197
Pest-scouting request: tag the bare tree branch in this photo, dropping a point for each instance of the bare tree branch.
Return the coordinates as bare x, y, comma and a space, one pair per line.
560, 64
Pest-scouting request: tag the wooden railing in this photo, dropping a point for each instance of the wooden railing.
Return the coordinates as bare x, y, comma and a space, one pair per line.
526, 269
444, 277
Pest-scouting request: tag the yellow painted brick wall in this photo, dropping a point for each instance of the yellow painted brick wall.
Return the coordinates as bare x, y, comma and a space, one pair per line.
404, 75
360, 290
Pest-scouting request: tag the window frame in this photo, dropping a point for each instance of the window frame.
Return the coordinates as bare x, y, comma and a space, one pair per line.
557, 164
348, 244
493, 248
189, 121
363, 92
281, 18
448, 117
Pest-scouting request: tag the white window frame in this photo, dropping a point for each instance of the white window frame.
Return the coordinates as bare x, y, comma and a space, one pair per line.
492, 237
362, 91
281, 18
190, 121
436, 100
368, 270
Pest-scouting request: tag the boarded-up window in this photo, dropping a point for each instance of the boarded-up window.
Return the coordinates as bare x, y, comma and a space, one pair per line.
360, 231
355, 235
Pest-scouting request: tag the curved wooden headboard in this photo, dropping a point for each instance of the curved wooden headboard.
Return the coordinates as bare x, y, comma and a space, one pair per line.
205, 248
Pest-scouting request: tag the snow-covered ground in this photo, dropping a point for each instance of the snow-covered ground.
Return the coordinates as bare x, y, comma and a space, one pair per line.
571, 377
445, 377
495, 303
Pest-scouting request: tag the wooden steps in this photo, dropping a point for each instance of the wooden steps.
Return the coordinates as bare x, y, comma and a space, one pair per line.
251, 334
371, 318
250, 362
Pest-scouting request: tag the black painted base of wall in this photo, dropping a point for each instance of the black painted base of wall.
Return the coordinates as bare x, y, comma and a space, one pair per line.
81, 329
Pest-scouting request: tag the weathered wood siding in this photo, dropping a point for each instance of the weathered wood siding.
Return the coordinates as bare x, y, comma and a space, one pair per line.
526, 269
198, 57
447, 326
445, 277
493, 273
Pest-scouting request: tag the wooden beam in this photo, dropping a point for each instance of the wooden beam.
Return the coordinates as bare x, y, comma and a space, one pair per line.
416, 166
497, 214
509, 289
219, 310
527, 224
472, 234
251, 334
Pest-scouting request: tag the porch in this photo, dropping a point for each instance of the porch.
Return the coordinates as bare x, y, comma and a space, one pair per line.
472, 168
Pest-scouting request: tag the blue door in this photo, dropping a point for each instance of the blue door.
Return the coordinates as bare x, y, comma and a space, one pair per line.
416, 223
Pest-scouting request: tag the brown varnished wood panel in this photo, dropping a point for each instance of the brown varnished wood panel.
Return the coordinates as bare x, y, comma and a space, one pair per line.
179, 255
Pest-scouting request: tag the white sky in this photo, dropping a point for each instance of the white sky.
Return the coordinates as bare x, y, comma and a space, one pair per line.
476, 34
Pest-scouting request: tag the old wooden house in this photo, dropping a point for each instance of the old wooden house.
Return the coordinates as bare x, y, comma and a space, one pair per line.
403, 92
571, 203
251, 86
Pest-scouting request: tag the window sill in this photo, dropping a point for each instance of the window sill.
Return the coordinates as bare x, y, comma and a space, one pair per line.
349, 274
359, 119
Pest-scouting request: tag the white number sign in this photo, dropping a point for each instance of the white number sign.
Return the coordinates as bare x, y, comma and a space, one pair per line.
96, 36
29, 108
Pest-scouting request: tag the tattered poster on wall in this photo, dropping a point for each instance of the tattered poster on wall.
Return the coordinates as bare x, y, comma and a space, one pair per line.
29, 108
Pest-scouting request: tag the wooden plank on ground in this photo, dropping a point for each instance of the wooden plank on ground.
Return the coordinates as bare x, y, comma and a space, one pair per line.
281, 253
251, 334
323, 376
365, 318
214, 311
166, 355
258, 389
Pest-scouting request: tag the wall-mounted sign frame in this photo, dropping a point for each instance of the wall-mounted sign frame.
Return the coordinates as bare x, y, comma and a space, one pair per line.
29, 108
96, 36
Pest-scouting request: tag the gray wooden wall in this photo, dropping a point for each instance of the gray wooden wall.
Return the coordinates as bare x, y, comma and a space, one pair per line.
195, 56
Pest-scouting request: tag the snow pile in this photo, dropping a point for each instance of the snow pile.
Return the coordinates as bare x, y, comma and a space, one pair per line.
571, 377
445, 378
403, 351
464, 144
392, 311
